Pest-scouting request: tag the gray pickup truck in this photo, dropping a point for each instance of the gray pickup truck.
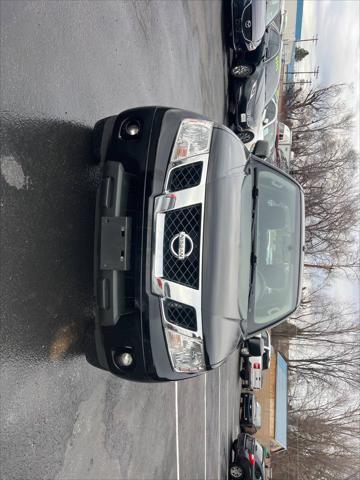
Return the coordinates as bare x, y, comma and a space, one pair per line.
198, 246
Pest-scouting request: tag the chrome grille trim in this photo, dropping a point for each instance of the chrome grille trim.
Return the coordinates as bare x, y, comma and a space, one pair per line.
184, 176
167, 288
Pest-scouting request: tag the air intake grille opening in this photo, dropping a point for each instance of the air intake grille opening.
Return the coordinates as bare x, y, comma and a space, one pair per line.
184, 177
183, 269
182, 315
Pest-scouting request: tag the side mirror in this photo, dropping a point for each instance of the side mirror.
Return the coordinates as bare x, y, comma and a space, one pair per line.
261, 149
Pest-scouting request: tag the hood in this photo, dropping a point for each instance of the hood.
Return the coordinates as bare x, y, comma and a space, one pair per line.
253, 23
256, 101
221, 252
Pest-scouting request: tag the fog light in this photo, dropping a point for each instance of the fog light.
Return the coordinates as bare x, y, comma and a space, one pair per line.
124, 359
132, 129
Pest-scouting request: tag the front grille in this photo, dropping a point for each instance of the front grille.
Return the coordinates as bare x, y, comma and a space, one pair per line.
184, 177
247, 23
182, 221
181, 315
237, 30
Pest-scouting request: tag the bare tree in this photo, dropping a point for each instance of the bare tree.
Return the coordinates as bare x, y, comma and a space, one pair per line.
318, 110
325, 163
322, 439
325, 340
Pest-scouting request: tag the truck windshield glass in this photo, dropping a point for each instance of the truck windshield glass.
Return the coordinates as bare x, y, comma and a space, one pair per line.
277, 244
270, 133
272, 9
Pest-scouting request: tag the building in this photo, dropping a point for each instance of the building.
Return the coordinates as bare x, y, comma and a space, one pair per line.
273, 398
292, 34
289, 31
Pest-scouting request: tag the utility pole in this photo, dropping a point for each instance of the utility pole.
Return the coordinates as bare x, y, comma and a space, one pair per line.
313, 39
313, 72
300, 81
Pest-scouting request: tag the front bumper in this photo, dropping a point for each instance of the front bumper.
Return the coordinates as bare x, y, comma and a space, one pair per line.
128, 316
246, 411
244, 445
240, 92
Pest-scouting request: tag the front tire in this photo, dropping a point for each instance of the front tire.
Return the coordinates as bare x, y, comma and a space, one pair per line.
246, 136
241, 71
236, 472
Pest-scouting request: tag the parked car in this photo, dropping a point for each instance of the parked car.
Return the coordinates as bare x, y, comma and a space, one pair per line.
284, 155
243, 64
249, 19
260, 470
251, 373
267, 129
242, 466
250, 97
176, 282
266, 356
250, 417
269, 134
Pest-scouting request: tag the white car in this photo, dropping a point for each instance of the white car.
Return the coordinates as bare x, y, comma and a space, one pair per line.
251, 373
267, 126
264, 359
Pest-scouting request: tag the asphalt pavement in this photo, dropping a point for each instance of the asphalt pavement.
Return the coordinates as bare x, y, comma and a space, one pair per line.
64, 65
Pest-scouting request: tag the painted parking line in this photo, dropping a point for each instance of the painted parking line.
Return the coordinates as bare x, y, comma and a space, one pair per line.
205, 440
227, 421
219, 445
177, 432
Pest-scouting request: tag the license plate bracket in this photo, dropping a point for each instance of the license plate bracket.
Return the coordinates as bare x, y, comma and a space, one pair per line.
115, 243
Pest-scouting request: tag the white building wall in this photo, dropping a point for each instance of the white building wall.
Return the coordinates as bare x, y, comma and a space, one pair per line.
290, 7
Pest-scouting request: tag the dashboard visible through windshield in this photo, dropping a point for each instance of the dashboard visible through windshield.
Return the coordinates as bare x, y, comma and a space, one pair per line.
276, 249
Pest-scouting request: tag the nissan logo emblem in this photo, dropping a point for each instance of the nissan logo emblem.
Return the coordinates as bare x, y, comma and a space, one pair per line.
181, 246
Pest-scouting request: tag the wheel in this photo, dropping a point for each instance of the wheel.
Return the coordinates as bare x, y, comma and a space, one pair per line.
236, 471
96, 138
241, 71
246, 136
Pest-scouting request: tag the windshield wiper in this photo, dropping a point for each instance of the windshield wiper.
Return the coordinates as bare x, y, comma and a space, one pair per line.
253, 257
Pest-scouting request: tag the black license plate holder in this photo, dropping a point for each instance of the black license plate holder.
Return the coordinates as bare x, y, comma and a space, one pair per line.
115, 243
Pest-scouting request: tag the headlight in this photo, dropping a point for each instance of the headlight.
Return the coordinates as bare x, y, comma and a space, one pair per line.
193, 138
186, 353
251, 46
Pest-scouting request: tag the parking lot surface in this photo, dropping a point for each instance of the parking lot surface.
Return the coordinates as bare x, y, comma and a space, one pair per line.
64, 66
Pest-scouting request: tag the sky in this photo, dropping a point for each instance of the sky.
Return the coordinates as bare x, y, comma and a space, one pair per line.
337, 53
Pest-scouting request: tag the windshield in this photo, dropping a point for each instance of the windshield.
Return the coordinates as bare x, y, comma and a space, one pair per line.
273, 43
270, 112
276, 249
272, 8
270, 133
272, 77
259, 451
257, 416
